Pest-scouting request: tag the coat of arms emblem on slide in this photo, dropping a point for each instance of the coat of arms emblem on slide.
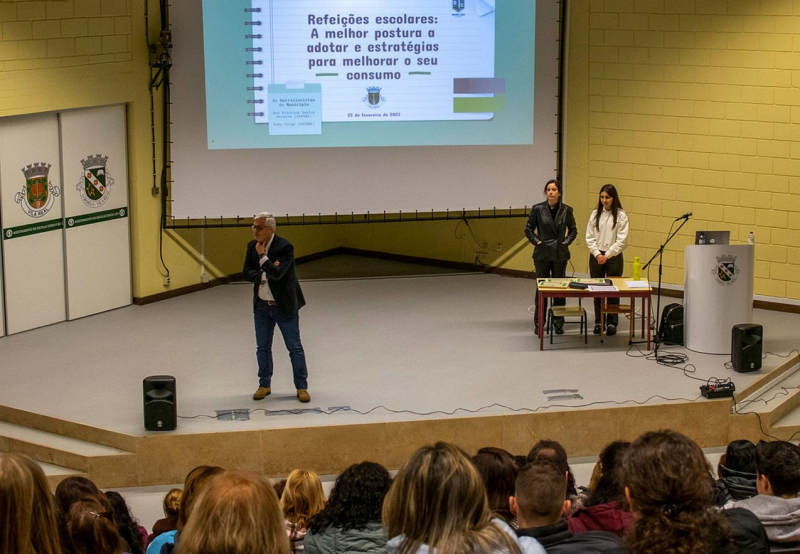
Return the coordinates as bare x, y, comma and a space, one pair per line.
38, 194
726, 270
458, 5
373, 99
95, 184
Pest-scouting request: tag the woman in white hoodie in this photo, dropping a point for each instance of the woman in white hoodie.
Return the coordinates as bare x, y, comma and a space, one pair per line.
606, 238
437, 503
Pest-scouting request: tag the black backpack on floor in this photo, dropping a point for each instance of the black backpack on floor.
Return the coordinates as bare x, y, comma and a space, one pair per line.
671, 328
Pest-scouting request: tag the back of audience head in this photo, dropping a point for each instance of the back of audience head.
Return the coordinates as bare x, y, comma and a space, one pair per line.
498, 469
740, 456
127, 527
302, 497
73, 489
91, 527
172, 502
192, 487
608, 486
28, 512
668, 484
552, 450
438, 499
778, 468
539, 497
238, 512
356, 498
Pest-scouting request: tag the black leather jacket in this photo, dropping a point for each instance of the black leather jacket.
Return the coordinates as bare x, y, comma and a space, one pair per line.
555, 236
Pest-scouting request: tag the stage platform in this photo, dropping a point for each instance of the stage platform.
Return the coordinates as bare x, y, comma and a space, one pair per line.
394, 362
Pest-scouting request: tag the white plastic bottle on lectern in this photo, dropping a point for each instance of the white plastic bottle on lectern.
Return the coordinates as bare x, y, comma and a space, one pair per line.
751, 238
702, 239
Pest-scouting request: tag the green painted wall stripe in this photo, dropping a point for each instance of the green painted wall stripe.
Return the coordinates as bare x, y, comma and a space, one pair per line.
495, 104
32, 229
96, 217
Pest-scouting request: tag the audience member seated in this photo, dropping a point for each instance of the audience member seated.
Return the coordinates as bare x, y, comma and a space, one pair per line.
196, 480
498, 470
605, 507
553, 451
438, 502
169, 522
69, 491
237, 512
90, 522
351, 519
668, 485
777, 504
302, 499
28, 512
540, 507
737, 473
130, 530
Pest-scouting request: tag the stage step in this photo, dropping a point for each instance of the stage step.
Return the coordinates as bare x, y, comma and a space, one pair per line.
55, 474
778, 407
105, 465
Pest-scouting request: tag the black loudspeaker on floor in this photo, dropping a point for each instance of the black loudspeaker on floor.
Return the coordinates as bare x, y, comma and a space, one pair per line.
160, 403
747, 341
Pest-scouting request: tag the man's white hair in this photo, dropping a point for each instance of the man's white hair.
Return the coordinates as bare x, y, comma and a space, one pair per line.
270, 219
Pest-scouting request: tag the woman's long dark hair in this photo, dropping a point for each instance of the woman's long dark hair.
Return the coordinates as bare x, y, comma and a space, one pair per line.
616, 205
127, 526
356, 498
669, 480
498, 469
609, 487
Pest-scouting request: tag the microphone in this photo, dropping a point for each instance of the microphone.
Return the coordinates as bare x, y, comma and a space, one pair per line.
685, 216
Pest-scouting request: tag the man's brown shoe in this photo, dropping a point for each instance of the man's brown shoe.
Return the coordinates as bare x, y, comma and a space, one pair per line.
262, 392
303, 396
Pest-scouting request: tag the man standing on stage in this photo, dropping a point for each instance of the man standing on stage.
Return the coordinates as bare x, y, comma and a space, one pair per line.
277, 299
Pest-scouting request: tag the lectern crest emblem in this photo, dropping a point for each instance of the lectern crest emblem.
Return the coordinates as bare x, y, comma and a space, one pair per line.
726, 270
38, 194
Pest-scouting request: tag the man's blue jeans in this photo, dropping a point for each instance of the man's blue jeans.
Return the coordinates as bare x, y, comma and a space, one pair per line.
266, 317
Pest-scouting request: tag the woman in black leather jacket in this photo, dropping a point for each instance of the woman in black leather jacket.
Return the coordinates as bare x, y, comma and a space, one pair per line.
551, 229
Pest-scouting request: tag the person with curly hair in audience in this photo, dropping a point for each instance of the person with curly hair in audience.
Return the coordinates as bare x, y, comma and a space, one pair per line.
237, 513
498, 469
350, 523
668, 485
605, 507
128, 527
737, 473
196, 481
28, 512
438, 503
540, 506
91, 527
302, 499
170, 505
777, 505
553, 451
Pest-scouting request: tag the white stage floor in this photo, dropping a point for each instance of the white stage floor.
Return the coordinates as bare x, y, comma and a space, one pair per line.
426, 346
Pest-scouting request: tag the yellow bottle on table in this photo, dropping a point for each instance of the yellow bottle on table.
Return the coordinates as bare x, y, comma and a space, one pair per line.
637, 269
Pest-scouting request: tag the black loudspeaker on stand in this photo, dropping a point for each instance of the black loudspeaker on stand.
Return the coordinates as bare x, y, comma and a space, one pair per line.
160, 403
746, 345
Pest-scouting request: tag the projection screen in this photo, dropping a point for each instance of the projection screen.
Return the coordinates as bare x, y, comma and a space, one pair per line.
340, 106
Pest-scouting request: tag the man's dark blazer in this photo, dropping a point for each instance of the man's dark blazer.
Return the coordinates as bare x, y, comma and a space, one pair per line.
282, 280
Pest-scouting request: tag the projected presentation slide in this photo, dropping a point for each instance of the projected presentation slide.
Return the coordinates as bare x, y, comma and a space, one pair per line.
316, 73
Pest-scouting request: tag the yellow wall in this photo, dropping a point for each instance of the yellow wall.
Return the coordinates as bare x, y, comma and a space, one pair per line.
684, 105
695, 106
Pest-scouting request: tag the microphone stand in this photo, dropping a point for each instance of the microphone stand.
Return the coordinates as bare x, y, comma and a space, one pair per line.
660, 254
